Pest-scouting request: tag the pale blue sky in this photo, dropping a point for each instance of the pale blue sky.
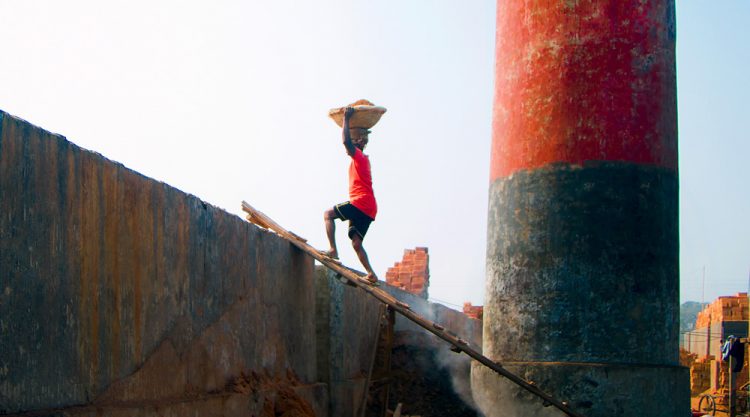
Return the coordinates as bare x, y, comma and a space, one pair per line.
713, 58
227, 100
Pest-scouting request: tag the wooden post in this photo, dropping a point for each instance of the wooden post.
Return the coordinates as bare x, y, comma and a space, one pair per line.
387, 359
376, 340
730, 364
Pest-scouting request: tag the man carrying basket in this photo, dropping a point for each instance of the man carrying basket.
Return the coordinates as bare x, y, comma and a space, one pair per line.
361, 208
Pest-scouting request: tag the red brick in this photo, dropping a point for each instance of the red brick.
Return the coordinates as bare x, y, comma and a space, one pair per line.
412, 272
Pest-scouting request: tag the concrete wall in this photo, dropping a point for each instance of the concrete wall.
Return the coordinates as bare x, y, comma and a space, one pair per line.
118, 291
430, 379
455, 321
698, 341
427, 377
123, 296
346, 325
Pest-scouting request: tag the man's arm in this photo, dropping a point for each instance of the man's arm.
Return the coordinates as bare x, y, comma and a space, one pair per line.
346, 135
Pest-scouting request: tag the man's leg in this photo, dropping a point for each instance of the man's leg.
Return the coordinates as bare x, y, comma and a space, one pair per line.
329, 217
362, 255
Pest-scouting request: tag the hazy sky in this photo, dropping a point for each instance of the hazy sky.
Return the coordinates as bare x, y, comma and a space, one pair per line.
713, 58
228, 100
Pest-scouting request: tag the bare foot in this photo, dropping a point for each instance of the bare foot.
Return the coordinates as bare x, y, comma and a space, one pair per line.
372, 278
331, 253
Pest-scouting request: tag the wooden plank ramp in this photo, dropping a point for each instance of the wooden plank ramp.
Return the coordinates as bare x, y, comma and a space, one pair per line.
457, 344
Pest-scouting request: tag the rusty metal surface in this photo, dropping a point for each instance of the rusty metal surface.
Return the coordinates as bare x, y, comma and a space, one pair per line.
101, 267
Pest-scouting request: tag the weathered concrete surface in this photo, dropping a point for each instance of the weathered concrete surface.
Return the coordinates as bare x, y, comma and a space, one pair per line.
122, 296
456, 321
583, 298
224, 405
584, 261
346, 325
261, 399
429, 379
591, 389
118, 289
582, 255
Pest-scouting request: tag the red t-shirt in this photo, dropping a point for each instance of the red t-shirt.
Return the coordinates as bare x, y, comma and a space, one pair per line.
361, 194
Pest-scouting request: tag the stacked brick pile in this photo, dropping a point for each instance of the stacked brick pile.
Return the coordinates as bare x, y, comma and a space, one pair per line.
700, 375
742, 376
708, 372
729, 308
722, 390
475, 312
412, 274
687, 358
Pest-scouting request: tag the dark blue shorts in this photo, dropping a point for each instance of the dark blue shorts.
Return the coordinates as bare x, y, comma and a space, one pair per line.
359, 222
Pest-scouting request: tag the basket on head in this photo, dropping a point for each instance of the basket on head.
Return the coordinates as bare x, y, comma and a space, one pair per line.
365, 116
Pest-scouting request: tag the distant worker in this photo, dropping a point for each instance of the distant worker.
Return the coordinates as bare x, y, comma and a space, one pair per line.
361, 208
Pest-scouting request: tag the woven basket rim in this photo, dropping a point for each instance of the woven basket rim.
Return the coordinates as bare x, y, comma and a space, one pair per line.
365, 116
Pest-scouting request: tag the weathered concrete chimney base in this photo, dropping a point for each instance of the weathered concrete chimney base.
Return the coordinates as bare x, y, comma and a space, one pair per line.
599, 389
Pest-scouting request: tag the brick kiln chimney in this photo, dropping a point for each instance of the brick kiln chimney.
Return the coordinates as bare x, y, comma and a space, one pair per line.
582, 248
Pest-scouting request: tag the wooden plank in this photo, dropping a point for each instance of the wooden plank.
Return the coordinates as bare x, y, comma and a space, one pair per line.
267, 223
458, 345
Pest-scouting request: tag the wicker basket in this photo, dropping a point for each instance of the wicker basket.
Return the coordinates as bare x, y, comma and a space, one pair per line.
365, 115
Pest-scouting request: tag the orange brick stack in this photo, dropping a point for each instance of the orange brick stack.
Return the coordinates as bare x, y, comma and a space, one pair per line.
700, 375
723, 389
412, 274
475, 312
741, 376
687, 358
729, 308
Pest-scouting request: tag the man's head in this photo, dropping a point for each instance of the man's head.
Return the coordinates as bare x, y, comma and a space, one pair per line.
360, 137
